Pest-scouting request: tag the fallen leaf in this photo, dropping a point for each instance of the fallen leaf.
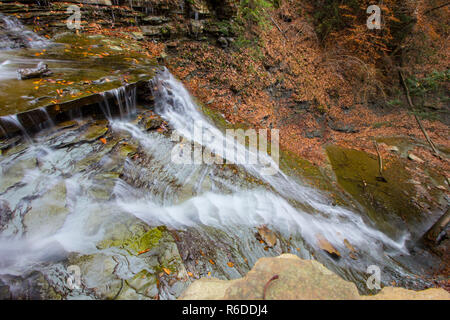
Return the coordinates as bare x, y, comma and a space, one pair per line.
324, 244
143, 251
349, 246
267, 236
211, 261
103, 140
167, 271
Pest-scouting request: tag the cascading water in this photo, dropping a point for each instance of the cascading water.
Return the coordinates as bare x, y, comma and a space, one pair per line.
72, 199
124, 98
16, 35
174, 103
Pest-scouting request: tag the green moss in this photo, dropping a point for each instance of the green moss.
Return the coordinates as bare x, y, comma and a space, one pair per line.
218, 119
137, 242
388, 204
322, 109
127, 149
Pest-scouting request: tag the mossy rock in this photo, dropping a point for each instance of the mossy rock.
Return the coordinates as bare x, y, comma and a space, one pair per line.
134, 241
388, 204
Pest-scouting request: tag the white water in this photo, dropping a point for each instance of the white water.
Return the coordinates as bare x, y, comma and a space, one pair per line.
13, 36
14, 27
250, 208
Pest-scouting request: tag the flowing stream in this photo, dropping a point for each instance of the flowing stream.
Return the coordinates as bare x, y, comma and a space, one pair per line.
69, 198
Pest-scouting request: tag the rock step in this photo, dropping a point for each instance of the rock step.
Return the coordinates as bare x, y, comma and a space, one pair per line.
158, 19
34, 120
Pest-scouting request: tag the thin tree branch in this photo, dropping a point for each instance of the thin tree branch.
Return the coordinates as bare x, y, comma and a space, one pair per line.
276, 24
380, 163
436, 8
408, 96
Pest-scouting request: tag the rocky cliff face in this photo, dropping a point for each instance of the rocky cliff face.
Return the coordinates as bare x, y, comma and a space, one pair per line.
295, 279
157, 19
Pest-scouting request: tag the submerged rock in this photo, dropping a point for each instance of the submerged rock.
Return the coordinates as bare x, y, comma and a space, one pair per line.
297, 280
47, 214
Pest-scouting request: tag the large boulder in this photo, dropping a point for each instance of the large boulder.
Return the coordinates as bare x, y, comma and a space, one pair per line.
297, 280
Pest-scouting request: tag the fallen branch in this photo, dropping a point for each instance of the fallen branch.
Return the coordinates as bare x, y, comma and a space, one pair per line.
408, 96
275, 277
436, 8
380, 163
276, 24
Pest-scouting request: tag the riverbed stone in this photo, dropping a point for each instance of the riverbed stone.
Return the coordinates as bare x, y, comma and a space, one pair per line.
14, 174
47, 213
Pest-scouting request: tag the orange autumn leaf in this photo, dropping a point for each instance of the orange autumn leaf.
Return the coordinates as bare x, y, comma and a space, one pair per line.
167, 271
211, 261
143, 251
230, 264
190, 274
103, 140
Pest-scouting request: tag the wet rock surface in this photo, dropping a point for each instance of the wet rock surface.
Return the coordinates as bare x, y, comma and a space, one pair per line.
79, 169
40, 71
82, 67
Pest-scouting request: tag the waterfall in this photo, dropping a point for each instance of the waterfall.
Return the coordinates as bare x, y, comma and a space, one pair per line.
12, 119
158, 191
124, 99
16, 35
48, 119
175, 105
